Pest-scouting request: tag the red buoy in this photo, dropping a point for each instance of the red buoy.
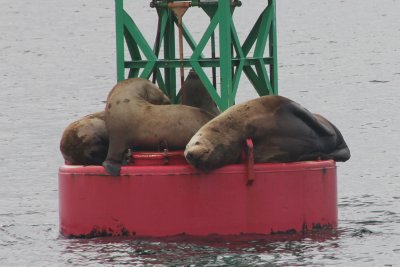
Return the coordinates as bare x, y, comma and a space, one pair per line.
169, 199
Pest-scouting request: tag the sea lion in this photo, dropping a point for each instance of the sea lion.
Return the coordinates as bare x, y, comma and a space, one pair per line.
133, 121
281, 130
85, 141
195, 94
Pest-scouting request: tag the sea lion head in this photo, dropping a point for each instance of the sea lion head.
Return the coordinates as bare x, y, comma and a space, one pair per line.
85, 141
206, 153
152, 94
137, 90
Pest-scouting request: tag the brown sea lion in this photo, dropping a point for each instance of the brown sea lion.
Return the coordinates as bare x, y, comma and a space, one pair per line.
281, 130
85, 141
195, 94
133, 121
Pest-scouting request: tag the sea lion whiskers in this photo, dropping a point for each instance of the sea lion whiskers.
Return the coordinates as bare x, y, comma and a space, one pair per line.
197, 152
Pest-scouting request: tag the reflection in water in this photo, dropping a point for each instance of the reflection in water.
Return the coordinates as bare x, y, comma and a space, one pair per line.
213, 250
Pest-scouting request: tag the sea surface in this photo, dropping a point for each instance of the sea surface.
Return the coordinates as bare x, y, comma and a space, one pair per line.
337, 58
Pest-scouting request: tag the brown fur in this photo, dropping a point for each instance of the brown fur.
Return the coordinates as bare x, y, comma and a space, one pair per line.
85, 141
282, 131
132, 121
195, 94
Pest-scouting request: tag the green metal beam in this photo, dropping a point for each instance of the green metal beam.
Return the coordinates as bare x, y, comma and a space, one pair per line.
169, 53
142, 44
225, 50
133, 51
242, 60
273, 49
232, 61
186, 34
204, 62
119, 31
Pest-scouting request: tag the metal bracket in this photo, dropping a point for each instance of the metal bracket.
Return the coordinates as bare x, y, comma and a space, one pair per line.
250, 161
165, 156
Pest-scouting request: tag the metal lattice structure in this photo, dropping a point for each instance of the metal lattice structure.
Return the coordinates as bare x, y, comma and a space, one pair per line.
233, 60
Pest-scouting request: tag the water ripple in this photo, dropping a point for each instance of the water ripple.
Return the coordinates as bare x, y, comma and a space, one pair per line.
50, 79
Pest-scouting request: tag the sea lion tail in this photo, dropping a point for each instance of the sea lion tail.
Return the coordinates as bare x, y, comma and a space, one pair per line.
341, 154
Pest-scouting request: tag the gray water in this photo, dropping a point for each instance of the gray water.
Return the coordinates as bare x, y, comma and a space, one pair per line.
337, 58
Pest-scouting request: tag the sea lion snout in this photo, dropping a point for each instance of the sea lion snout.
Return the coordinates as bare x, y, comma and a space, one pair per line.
196, 153
189, 155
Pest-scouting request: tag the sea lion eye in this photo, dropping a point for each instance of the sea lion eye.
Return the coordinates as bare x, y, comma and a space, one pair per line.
197, 143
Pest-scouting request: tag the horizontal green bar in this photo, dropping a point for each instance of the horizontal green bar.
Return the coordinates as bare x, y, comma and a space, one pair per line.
176, 63
193, 3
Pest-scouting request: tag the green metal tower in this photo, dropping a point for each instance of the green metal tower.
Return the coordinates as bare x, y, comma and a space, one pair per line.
233, 59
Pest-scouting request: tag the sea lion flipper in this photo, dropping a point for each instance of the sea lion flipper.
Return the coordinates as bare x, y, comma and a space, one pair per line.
341, 154
112, 168
308, 118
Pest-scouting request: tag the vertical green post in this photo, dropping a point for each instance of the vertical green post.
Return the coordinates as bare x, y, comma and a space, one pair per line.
273, 50
119, 24
225, 50
169, 53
